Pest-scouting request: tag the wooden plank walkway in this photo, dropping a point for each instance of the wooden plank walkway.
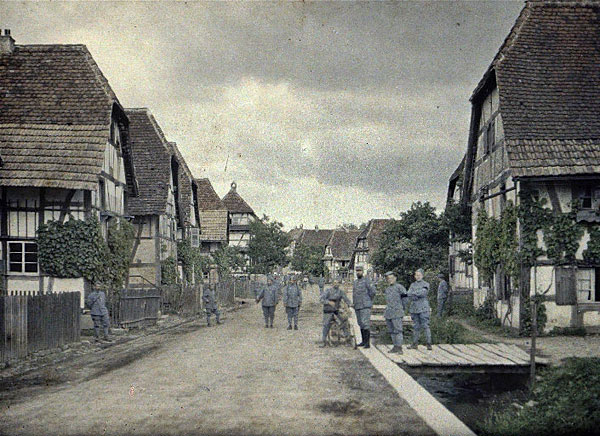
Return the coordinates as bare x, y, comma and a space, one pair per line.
464, 358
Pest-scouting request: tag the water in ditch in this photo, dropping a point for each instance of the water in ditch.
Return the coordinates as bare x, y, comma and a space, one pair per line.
471, 397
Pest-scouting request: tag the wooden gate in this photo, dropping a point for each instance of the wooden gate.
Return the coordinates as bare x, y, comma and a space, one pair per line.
138, 307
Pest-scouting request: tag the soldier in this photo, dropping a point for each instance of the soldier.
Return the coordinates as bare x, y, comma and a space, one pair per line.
321, 285
292, 300
363, 293
395, 295
442, 295
96, 301
270, 297
331, 299
419, 309
210, 304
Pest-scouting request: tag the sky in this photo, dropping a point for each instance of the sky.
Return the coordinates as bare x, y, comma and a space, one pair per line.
322, 113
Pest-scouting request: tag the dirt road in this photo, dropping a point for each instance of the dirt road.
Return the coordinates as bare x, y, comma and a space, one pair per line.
237, 378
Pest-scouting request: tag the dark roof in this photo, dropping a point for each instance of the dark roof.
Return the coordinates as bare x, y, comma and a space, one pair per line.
152, 159
373, 232
315, 238
342, 243
548, 77
295, 234
235, 203
185, 181
56, 109
208, 199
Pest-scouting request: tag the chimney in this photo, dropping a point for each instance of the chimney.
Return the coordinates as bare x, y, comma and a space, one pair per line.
316, 227
7, 43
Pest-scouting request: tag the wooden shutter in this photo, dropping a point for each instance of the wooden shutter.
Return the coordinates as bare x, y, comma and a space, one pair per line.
566, 286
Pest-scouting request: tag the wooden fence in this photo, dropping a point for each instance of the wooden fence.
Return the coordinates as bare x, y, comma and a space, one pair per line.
184, 300
137, 308
30, 323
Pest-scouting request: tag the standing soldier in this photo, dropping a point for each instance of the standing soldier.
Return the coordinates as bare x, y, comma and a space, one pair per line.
321, 285
394, 310
419, 309
270, 297
210, 303
331, 299
363, 293
97, 303
442, 295
292, 300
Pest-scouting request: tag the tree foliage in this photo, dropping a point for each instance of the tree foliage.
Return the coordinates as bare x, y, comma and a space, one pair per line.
267, 246
458, 220
308, 259
419, 239
228, 260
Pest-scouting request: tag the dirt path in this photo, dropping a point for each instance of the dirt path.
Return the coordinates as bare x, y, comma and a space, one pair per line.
238, 378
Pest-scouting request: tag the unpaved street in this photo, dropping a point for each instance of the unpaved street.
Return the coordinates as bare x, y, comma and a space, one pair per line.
237, 378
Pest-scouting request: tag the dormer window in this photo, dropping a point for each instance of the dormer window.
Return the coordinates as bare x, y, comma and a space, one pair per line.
589, 197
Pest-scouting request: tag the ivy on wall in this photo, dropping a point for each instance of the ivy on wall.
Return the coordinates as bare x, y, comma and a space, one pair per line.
194, 263
592, 252
485, 249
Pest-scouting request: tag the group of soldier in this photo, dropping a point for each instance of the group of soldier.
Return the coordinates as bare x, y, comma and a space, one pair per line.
290, 292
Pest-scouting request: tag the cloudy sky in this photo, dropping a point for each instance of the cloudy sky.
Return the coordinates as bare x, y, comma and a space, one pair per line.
323, 113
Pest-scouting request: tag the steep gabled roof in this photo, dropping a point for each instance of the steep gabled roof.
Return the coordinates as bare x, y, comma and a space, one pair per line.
295, 234
208, 199
152, 159
342, 243
372, 232
235, 203
56, 108
548, 77
185, 182
315, 238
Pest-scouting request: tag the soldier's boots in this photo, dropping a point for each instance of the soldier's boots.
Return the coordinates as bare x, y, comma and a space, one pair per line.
413, 347
295, 327
367, 339
429, 347
363, 336
266, 326
289, 327
396, 349
324, 344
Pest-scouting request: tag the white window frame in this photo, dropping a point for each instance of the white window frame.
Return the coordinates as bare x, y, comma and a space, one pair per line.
586, 285
22, 262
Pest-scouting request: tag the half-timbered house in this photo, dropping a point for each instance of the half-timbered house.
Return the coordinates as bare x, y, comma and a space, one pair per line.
240, 217
339, 251
64, 141
367, 243
535, 135
213, 217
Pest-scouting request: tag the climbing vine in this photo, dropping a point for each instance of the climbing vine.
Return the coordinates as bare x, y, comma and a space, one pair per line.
508, 244
485, 250
168, 271
194, 263
592, 252
542, 317
119, 241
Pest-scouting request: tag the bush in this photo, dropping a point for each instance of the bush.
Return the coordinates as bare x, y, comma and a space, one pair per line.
542, 317
567, 331
487, 311
447, 331
565, 401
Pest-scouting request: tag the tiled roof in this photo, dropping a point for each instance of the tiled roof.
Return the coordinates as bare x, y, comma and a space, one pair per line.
152, 159
55, 113
235, 203
342, 243
373, 232
548, 78
208, 199
295, 234
315, 238
185, 180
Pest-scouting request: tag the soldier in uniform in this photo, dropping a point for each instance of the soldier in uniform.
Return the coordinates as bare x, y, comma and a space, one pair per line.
395, 295
442, 295
270, 297
321, 285
419, 309
96, 301
363, 292
331, 299
210, 304
292, 300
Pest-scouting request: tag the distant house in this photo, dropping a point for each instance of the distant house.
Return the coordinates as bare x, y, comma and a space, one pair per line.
214, 217
294, 236
367, 243
240, 217
64, 141
315, 238
535, 135
155, 209
339, 251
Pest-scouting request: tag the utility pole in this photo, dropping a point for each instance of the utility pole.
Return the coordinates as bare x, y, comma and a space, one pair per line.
533, 311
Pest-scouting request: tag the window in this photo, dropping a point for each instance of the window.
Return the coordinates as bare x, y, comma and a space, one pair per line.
23, 257
589, 197
195, 237
585, 286
102, 195
490, 137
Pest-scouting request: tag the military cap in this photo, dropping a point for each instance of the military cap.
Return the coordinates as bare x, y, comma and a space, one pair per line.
390, 273
420, 270
360, 268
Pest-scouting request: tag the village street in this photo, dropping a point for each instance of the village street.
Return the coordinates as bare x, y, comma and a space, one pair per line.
237, 378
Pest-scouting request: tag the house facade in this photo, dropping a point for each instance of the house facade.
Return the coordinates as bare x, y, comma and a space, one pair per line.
338, 253
240, 216
367, 243
155, 209
64, 142
534, 143
214, 218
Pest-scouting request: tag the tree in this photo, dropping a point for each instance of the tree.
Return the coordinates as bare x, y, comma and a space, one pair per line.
308, 259
228, 259
267, 246
419, 239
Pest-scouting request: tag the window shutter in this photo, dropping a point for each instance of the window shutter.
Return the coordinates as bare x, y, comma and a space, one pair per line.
566, 286
195, 237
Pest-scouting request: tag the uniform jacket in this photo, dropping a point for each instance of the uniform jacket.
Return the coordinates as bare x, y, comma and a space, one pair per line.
442, 290
97, 303
269, 295
395, 296
292, 295
208, 298
417, 294
363, 293
336, 295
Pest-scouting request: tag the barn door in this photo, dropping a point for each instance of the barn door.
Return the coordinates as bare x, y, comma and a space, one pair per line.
566, 286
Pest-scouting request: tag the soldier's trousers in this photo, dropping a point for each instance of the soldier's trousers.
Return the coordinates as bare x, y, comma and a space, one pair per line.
421, 322
101, 321
363, 317
441, 305
269, 314
395, 328
328, 320
211, 311
292, 314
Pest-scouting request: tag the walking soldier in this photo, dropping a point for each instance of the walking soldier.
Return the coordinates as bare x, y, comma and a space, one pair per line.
210, 304
292, 300
96, 301
363, 293
270, 297
442, 295
395, 295
331, 299
419, 309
